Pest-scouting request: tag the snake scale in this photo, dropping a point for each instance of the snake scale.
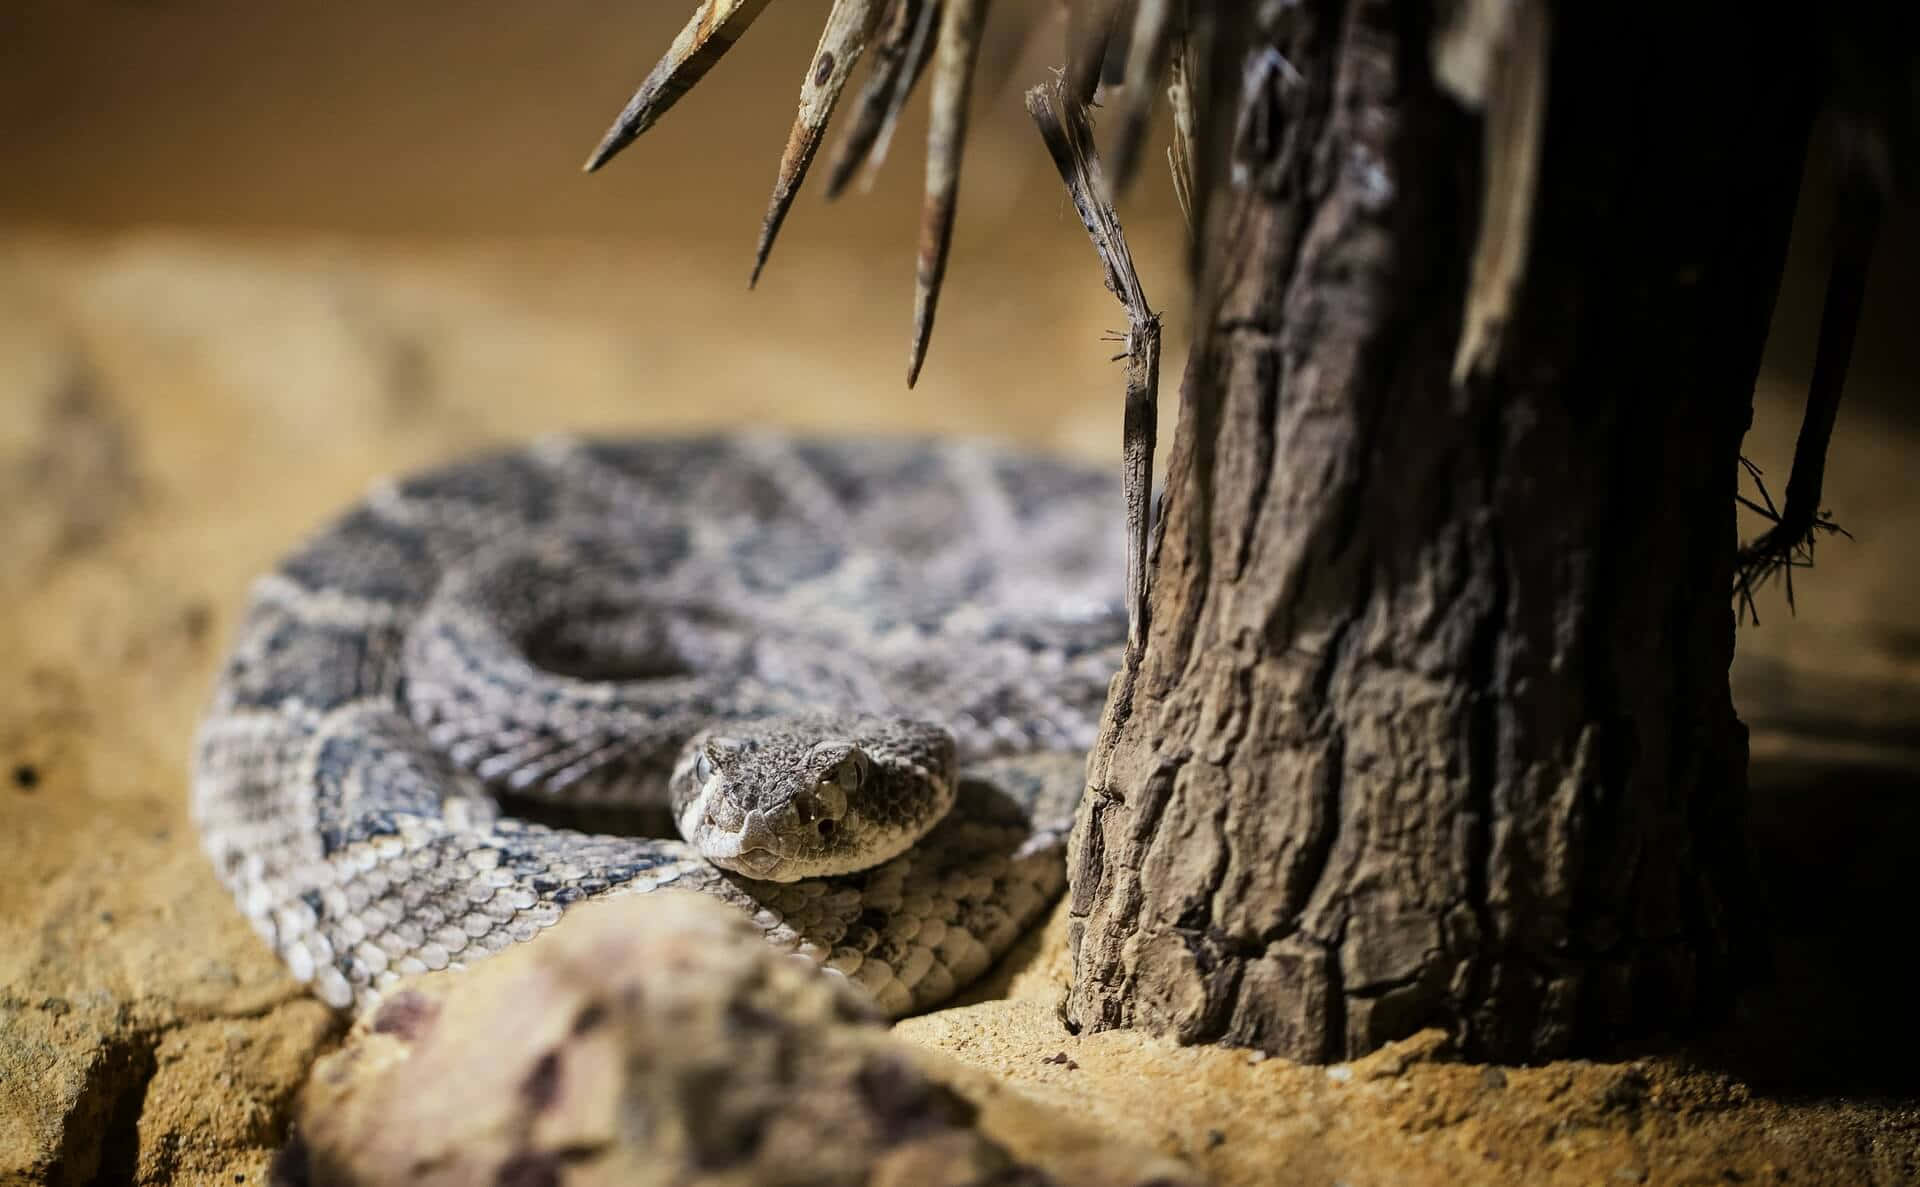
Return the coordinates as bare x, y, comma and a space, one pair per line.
862, 675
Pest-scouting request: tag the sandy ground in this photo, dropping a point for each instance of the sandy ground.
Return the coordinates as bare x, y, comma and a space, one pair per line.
249, 264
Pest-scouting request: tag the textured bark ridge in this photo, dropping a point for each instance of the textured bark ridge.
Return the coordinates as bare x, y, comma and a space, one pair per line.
1432, 723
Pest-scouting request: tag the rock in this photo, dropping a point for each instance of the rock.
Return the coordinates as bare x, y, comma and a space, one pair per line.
658, 1039
226, 1084
84, 1098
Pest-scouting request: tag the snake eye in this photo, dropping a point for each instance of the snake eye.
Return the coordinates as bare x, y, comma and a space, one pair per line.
850, 774
702, 769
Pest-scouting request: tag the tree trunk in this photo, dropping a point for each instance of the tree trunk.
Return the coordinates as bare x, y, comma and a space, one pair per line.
1432, 724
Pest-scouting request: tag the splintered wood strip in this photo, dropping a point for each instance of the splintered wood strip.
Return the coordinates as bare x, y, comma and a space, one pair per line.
899, 57
961, 23
1154, 31
1068, 132
1211, 108
1515, 90
1180, 155
1089, 28
1797, 526
850, 26
715, 26
925, 37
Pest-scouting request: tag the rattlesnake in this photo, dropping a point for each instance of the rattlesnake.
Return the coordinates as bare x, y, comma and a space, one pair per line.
808, 648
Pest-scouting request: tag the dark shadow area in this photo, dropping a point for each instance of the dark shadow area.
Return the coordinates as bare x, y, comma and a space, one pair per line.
616, 820
1834, 853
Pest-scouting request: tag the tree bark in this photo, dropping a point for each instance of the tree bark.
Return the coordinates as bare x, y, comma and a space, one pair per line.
1432, 722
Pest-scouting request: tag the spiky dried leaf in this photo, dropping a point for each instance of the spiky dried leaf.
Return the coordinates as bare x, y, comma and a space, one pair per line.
1148, 48
850, 26
899, 57
1090, 28
960, 27
715, 26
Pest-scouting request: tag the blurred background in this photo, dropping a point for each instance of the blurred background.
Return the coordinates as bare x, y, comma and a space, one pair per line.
382, 133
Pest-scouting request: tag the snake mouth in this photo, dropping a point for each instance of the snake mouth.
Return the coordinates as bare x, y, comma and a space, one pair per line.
757, 862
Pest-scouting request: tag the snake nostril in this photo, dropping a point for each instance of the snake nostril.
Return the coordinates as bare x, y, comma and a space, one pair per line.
825, 828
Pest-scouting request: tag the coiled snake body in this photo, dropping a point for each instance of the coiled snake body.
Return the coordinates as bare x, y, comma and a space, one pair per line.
862, 675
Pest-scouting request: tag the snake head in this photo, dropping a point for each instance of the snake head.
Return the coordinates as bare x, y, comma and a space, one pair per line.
786, 798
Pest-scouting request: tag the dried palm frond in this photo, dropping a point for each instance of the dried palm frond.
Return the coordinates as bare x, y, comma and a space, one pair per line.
907, 36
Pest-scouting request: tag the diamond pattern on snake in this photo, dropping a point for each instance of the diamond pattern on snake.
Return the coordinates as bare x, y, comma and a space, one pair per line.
861, 677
